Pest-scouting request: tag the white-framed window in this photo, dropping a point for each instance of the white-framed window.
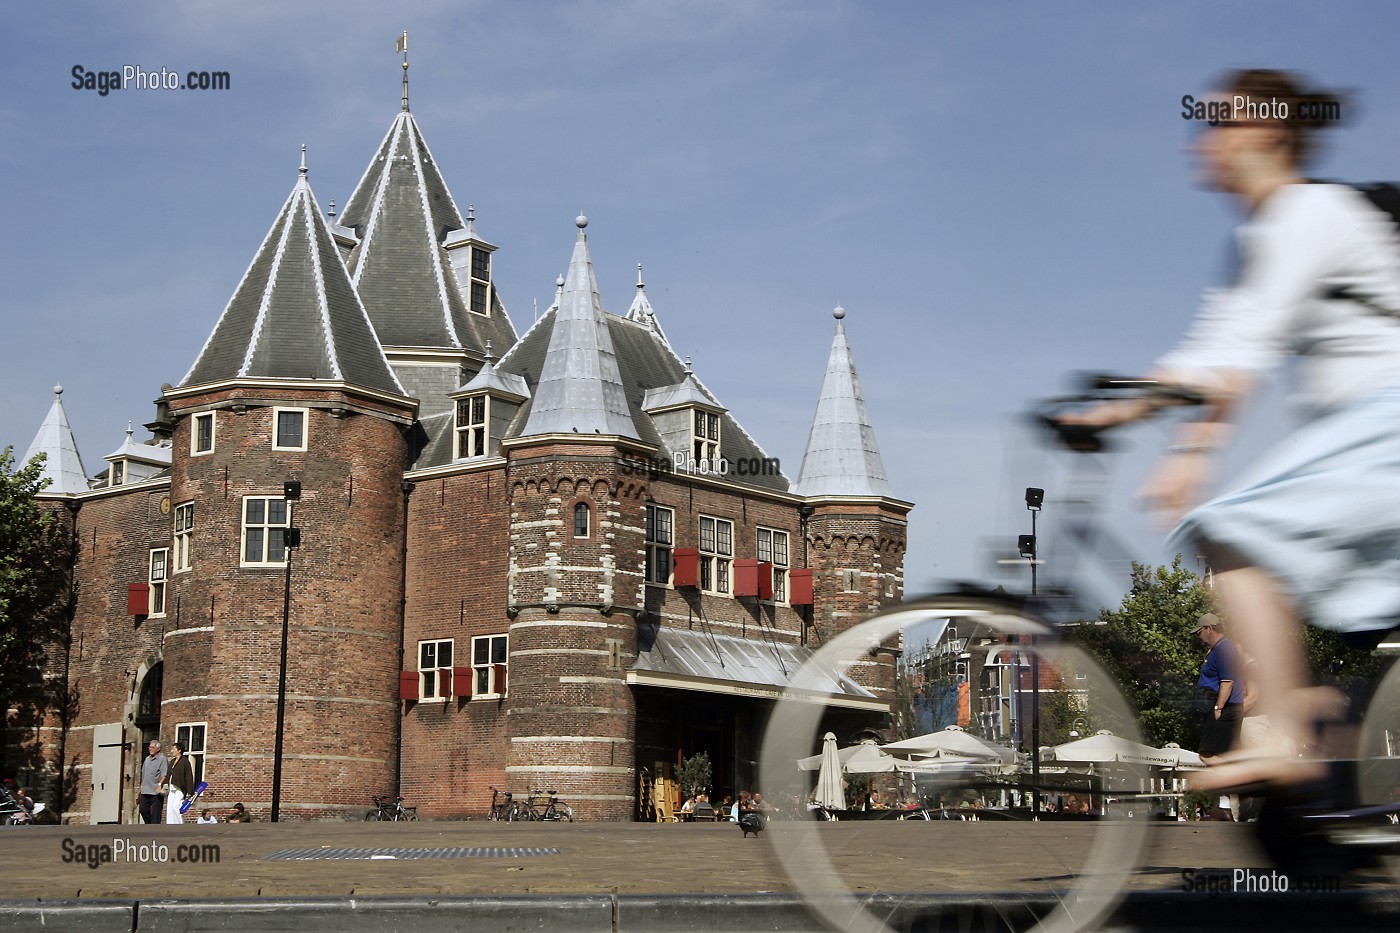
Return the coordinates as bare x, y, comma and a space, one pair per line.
435, 669
202, 434
184, 534
489, 653
289, 429
265, 523
473, 438
660, 538
582, 519
192, 737
716, 554
705, 436
117, 475
773, 547
158, 577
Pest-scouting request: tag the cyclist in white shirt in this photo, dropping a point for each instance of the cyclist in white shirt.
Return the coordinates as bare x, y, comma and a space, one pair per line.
1313, 530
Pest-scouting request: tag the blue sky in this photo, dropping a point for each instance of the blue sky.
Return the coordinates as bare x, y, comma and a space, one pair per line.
996, 193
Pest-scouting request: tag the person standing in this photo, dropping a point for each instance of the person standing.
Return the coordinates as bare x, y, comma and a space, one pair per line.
154, 769
1220, 681
179, 784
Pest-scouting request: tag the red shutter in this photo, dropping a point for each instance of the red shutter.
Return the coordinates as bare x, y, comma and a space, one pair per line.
445, 682
800, 586
138, 599
746, 577
408, 685
687, 570
765, 579
500, 678
462, 681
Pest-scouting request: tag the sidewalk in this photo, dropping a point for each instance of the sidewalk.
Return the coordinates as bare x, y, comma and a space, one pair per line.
601, 872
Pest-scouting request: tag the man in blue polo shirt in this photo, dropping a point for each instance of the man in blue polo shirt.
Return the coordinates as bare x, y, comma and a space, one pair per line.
1223, 688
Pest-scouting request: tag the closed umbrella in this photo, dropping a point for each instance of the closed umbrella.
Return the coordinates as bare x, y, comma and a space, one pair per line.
830, 791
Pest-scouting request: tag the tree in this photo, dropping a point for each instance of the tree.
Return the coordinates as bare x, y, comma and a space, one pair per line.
696, 775
35, 553
1149, 648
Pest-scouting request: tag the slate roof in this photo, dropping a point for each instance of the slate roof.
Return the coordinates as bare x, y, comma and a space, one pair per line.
578, 388
644, 362
402, 212
295, 314
63, 467
842, 457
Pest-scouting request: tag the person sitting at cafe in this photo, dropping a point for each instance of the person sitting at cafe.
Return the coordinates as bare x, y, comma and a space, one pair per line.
240, 814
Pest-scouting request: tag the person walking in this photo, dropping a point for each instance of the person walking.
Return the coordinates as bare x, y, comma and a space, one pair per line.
154, 769
179, 784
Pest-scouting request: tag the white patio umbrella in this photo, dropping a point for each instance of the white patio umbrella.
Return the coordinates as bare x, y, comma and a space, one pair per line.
1104, 747
864, 758
1181, 759
952, 742
830, 792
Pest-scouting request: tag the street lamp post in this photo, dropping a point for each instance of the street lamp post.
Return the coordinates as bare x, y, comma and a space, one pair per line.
291, 490
1034, 499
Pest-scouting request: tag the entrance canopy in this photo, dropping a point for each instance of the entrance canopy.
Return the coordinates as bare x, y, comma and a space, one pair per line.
682, 659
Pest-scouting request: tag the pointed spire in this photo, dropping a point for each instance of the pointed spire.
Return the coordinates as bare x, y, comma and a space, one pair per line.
580, 387
407, 222
295, 314
642, 312
62, 465
842, 457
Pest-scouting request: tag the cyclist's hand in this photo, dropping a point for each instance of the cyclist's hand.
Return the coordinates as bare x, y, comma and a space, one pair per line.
1176, 485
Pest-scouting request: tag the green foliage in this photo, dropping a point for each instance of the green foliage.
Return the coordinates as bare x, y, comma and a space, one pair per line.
35, 550
1150, 650
696, 775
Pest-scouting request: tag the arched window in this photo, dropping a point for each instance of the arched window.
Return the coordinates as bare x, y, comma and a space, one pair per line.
148, 704
581, 519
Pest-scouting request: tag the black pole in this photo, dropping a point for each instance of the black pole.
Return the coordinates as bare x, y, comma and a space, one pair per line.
1035, 683
281, 692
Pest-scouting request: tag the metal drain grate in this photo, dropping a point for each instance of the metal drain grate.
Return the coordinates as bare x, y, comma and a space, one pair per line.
400, 853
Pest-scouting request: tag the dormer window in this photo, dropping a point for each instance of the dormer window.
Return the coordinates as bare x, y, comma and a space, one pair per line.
705, 437
117, 476
481, 281
472, 434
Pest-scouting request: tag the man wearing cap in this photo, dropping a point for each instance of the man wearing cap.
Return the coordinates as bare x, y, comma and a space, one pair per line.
1223, 688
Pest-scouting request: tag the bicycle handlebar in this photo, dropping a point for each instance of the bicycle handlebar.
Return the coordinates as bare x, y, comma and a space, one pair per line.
1104, 387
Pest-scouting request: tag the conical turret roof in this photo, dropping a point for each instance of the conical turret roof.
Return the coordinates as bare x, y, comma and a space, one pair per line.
842, 457
580, 387
402, 213
62, 465
295, 314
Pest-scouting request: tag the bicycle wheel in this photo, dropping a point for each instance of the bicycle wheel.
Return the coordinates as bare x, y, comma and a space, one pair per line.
1079, 865
374, 815
518, 812
1378, 776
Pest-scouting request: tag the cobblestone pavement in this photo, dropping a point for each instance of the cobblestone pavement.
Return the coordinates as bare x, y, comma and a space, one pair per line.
596, 858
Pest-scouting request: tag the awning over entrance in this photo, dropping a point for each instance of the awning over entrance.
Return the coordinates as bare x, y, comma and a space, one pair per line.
688, 660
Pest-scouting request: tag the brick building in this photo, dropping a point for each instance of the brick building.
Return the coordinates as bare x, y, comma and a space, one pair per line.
551, 559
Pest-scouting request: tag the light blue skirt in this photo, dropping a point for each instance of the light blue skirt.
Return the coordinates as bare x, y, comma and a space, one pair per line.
1321, 512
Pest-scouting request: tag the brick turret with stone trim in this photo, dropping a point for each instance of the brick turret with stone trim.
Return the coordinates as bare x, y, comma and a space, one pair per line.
856, 528
575, 582
292, 386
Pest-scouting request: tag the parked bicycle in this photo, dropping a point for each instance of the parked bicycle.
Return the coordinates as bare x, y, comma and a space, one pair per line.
390, 809
1335, 825
502, 805
543, 806
15, 813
